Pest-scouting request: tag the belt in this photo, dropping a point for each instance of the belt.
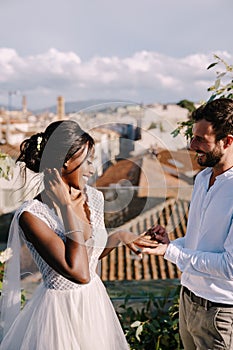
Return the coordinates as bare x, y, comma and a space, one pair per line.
207, 304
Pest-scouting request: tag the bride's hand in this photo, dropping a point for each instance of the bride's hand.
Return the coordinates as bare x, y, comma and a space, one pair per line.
55, 187
136, 242
156, 234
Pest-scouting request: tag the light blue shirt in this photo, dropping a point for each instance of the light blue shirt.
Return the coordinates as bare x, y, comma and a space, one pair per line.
205, 254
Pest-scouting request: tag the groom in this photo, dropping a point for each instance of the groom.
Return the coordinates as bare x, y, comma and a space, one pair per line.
205, 254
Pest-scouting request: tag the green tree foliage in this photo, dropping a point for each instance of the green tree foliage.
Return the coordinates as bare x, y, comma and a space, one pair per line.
222, 87
189, 105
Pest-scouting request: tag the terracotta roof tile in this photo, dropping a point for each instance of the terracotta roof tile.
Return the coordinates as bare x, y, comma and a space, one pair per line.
122, 264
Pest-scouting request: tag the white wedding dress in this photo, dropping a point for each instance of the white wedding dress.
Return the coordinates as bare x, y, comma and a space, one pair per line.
63, 315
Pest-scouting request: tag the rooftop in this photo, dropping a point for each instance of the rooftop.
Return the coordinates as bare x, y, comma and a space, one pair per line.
122, 264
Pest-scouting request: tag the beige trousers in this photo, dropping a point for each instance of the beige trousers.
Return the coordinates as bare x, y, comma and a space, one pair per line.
205, 328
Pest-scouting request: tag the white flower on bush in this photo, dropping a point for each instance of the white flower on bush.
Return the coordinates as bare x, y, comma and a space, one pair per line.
5, 255
7, 165
139, 330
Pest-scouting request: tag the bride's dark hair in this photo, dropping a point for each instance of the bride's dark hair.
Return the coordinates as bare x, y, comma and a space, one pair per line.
53, 147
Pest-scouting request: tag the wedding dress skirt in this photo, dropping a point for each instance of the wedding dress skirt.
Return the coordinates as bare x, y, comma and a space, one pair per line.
77, 319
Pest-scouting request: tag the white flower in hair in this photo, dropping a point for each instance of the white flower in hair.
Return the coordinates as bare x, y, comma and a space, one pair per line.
39, 140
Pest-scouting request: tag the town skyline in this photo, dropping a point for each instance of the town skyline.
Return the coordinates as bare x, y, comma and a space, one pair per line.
144, 52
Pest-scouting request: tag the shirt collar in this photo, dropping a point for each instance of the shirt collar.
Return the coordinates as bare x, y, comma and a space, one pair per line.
226, 173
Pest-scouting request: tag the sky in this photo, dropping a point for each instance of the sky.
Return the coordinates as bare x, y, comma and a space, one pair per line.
143, 51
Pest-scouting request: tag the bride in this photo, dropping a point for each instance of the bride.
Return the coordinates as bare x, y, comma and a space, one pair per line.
63, 227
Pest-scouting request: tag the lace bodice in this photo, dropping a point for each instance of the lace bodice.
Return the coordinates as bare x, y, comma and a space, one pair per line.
94, 245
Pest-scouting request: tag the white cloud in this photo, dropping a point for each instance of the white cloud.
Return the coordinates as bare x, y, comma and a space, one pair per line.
144, 77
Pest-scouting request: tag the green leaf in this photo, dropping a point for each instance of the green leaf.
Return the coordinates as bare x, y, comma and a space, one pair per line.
212, 65
212, 98
217, 84
220, 75
175, 132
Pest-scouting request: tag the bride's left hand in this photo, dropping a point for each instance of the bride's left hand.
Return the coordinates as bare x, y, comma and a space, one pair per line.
136, 242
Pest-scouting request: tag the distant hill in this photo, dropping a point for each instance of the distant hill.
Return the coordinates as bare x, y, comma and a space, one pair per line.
77, 106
